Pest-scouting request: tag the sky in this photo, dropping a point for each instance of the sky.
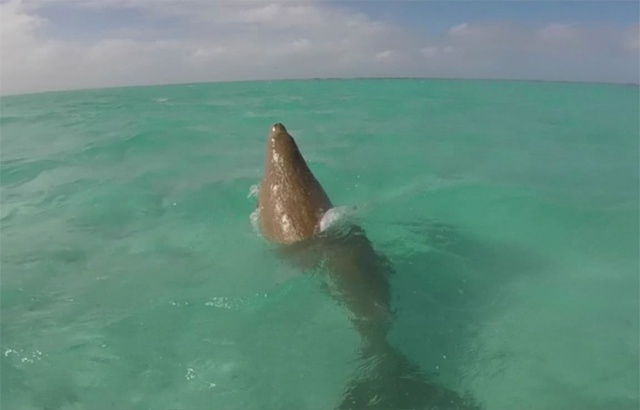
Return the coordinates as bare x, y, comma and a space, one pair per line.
48, 45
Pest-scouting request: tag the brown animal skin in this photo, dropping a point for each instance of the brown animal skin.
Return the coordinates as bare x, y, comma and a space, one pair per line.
292, 201
291, 205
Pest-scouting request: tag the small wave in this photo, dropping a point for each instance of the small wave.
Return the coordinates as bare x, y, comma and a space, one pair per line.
253, 191
161, 100
223, 303
337, 216
21, 172
334, 217
255, 219
9, 119
24, 357
411, 189
253, 114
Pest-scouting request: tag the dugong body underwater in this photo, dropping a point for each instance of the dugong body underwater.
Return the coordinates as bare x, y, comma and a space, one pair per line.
291, 205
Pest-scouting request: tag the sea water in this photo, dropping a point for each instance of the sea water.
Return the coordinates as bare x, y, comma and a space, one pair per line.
132, 277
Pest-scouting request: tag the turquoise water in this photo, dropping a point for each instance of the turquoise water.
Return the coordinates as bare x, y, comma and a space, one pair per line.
132, 277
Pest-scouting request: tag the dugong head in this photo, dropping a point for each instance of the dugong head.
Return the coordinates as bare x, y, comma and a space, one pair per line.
291, 201
281, 146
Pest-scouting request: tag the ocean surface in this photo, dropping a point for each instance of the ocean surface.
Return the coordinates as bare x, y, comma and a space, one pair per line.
132, 277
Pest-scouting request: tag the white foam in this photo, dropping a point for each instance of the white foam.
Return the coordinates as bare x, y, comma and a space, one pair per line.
336, 215
221, 303
254, 190
255, 220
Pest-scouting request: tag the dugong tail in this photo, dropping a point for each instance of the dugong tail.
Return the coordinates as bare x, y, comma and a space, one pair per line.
391, 381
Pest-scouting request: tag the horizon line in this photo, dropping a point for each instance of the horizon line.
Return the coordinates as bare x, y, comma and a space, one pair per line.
521, 80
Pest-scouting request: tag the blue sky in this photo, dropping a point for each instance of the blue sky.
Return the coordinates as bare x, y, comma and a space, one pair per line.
62, 44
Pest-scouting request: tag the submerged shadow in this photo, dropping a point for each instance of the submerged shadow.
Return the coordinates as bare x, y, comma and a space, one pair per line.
447, 283
457, 266
442, 282
443, 287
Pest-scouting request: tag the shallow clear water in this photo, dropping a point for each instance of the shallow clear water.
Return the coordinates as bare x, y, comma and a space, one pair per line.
132, 277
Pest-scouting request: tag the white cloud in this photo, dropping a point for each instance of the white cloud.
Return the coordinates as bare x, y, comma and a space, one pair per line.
430, 52
631, 38
556, 51
273, 40
460, 30
384, 55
